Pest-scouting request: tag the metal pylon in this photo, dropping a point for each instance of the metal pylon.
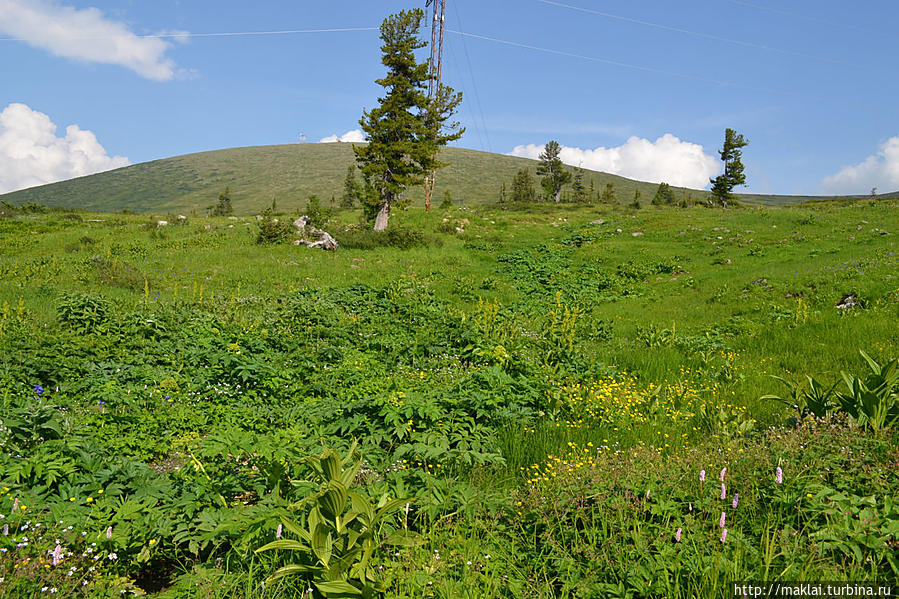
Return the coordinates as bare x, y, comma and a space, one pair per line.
435, 73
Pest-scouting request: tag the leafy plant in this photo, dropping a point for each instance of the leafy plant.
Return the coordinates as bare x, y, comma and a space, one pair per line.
342, 532
874, 401
814, 399
271, 229
82, 312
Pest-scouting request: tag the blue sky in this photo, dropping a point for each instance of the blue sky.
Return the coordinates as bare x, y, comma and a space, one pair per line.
644, 89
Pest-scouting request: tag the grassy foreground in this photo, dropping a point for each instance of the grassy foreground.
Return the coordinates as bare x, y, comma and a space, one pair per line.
548, 402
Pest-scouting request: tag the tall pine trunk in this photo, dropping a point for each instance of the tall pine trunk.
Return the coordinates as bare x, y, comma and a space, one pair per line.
383, 216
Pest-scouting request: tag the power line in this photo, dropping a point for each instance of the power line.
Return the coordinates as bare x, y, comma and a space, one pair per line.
474, 85
188, 34
813, 19
636, 67
707, 35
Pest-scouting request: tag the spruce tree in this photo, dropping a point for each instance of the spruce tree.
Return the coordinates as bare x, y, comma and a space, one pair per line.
523, 187
352, 190
406, 129
553, 172
664, 195
608, 194
723, 185
578, 189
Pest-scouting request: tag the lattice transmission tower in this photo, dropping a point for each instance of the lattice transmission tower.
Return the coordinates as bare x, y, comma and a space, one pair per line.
435, 74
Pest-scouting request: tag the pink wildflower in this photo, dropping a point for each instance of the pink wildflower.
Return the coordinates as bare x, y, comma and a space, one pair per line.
723, 472
736, 500
57, 553
723, 491
109, 532
702, 476
723, 535
779, 476
721, 521
278, 532
677, 536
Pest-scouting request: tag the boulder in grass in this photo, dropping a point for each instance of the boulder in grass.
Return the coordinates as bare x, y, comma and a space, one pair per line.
849, 301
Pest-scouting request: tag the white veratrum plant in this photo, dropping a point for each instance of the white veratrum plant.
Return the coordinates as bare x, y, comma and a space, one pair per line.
342, 532
874, 401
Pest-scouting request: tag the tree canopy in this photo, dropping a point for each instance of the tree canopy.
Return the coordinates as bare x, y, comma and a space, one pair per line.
733, 175
553, 171
406, 129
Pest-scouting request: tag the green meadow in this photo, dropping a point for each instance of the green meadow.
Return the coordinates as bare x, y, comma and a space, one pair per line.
288, 174
493, 401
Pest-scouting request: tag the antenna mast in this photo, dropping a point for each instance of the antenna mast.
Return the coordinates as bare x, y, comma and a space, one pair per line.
435, 73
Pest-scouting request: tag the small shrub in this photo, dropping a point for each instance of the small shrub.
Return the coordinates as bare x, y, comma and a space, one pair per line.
272, 230
398, 237
82, 312
118, 273
405, 238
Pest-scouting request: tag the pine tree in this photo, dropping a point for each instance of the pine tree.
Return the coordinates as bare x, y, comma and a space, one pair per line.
608, 194
352, 190
406, 129
223, 207
578, 189
723, 185
553, 172
664, 195
523, 187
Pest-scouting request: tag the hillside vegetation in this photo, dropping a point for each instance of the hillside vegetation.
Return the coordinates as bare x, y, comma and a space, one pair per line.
288, 174
540, 401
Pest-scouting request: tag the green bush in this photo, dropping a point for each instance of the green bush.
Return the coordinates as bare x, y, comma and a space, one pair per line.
82, 312
272, 230
398, 237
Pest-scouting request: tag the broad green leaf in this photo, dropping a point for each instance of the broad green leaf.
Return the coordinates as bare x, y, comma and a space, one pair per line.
288, 544
338, 588
322, 543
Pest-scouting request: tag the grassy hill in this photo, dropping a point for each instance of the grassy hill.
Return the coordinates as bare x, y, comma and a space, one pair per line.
290, 173
287, 173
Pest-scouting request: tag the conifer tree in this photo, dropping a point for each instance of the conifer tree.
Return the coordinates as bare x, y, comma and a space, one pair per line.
723, 185
578, 189
608, 194
523, 187
352, 190
553, 172
406, 129
664, 195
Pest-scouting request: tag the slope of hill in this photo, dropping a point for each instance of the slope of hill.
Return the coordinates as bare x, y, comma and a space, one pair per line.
287, 174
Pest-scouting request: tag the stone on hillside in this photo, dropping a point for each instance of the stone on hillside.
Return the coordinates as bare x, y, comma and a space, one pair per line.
848, 302
162, 223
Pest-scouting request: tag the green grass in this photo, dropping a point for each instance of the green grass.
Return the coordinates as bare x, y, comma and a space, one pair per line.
505, 377
290, 173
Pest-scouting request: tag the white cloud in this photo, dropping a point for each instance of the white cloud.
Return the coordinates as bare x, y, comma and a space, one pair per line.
31, 153
880, 170
355, 135
668, 159
84, 35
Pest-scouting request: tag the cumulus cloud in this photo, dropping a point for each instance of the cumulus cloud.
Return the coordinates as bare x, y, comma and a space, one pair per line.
355, 135
880, 170
668, 160
31, 153
85, 35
